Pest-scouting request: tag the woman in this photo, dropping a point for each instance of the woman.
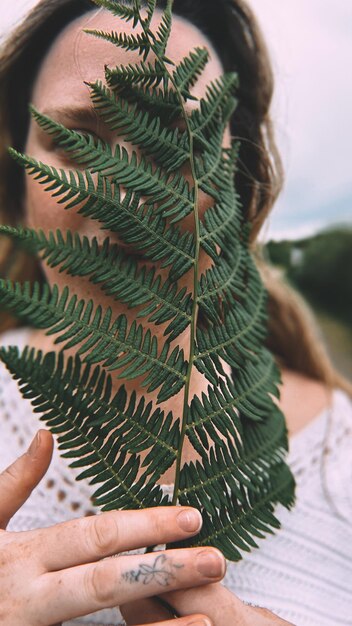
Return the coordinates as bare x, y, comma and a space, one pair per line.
46, 62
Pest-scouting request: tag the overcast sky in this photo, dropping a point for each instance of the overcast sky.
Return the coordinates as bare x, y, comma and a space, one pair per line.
311, 48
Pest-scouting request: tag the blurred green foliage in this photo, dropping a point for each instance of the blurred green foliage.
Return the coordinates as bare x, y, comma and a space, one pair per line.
321, 268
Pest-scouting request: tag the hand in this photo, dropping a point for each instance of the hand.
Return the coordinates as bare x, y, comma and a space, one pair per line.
220, 605
59, 573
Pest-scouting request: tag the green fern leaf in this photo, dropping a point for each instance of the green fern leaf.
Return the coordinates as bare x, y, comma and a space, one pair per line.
232, 526
170, 192
72, 403
230, 406
127, 13
109, 342
162, 35
236, 430
163, 103
219, 99
169, 148
151, 6
146, 74
115, 272
189, 70
237, 339
139, 42
135, 223
221, 285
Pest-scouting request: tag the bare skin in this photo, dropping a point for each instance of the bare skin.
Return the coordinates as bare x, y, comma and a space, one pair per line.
301, 400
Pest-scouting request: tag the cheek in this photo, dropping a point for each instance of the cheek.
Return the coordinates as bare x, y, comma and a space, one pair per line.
43, 211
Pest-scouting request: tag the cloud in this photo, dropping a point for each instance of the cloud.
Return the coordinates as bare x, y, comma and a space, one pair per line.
311, 48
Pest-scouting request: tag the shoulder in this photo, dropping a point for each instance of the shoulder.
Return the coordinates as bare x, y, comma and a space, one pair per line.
302, 399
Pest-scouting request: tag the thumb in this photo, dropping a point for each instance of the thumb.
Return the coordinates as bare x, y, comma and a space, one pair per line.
19, 479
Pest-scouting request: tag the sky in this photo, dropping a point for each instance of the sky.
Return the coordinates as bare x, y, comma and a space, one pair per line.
311, 49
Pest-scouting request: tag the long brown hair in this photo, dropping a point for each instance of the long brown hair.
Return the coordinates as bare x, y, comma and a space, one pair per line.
233, 31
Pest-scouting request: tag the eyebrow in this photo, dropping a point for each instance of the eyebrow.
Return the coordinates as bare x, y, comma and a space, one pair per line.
71, 113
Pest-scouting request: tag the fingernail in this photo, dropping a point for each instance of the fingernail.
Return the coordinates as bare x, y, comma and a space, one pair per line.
32, 450
190, 520
211, 563
200, 622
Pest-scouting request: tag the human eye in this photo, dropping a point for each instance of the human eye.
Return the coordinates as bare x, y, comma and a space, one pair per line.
76, 134
87, 134
67, 150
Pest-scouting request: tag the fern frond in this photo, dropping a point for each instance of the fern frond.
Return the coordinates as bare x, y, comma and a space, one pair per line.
135, 223
171, 192
235, 428
162, 35
222, 284
232, 404
169, 148
214, 418
163, 103
151, 6
124, 11
219, 98
189, 70
73, 404
110, 342
116, 273
146, 74
242, 478
24, 299
236, 339
221, 225
214, 166
140, 42
231, 526
214, 174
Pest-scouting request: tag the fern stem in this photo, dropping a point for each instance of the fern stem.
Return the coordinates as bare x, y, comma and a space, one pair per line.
194, 315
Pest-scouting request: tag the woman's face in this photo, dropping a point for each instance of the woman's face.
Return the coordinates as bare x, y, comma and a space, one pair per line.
61, 93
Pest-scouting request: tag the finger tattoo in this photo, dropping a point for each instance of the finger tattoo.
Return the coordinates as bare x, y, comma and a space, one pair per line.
162, 571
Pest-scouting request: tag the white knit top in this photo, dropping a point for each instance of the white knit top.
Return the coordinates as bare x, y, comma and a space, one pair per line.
303, 573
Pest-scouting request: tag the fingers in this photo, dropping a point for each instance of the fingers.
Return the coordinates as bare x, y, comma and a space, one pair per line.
221, 606
19, 479
111, 582
93, 538
217, 602
155, 613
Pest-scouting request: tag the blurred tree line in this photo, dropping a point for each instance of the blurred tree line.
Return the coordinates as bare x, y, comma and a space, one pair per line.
321, 268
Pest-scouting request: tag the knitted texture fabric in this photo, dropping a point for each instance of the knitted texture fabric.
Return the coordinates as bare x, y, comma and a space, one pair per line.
303, 573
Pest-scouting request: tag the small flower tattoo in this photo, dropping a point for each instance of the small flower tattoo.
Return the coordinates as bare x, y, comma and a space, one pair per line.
161, 572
